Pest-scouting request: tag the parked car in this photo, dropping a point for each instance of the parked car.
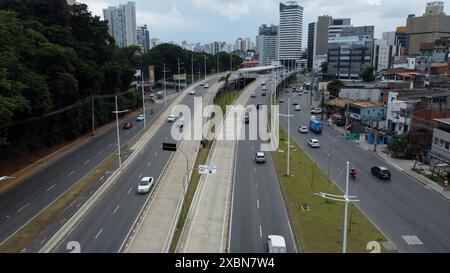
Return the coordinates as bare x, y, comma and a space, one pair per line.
281, 100
140, 118
260, 157
145, 185
314, 143
381, 172
128, 125
171, 118
303, 129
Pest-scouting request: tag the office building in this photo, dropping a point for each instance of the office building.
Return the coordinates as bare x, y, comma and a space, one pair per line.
267, 44
122, 23
290, 33
350, 51
143, 38
385, 51
434, 24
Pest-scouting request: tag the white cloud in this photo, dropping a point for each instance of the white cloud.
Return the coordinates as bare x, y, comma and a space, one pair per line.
235, 9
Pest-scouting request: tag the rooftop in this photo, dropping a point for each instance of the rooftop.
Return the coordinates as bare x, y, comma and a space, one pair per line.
341, 102
445, 121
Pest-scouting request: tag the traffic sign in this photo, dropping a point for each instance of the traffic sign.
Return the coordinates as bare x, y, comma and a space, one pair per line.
352, 136
207, 169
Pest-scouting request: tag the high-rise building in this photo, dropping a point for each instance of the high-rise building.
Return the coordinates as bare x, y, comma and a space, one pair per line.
320, 32
385, 51
267, 44
290, 33
122, 23
434, 24
143, 38
154, 42
350, 51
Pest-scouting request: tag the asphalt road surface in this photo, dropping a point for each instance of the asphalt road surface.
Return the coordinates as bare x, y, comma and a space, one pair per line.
414, 218
258, 206
21, 204
106, 226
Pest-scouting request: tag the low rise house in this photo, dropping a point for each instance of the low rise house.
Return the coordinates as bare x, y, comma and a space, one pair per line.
440, 149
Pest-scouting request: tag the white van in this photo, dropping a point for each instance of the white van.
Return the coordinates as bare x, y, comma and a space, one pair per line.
277, 244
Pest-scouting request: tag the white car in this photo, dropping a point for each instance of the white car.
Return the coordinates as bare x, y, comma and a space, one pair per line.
203, 83
145, 185
206, 86
180, 123
297, 108
303, 129
314, 143
313, 118
171, 118
140, 118
276, 244
192, 92
253, 95
260, 157
316, 111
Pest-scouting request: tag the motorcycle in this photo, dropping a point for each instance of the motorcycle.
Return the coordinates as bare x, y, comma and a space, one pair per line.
353, 175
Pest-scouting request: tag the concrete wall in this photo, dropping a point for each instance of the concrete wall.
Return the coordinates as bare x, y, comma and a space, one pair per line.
373, 95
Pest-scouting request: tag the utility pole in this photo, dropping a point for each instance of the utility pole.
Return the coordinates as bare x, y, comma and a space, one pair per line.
231, 62
192, 68
93, 115
346, 118
165, 89
205, 65
179, 82
143, 98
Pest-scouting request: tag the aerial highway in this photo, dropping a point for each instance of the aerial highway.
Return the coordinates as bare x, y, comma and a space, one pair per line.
413, 217
106, 227
23, 202
258, 207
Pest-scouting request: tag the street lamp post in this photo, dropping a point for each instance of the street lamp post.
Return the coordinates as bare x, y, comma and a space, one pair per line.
165, 89
347, 199
143, 98
205, 65
179, 83
288, 169
117, 112
192, 68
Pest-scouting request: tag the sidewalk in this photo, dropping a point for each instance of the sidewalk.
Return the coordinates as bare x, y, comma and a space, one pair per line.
155, 229
207, 225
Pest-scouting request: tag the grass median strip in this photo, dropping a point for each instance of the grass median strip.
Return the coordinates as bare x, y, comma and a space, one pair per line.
31, 230
318, 223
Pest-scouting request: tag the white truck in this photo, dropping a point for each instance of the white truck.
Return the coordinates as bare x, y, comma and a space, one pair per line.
277, 244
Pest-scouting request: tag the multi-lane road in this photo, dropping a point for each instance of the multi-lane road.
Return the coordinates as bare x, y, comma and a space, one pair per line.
258, 206
414, 218
106, 227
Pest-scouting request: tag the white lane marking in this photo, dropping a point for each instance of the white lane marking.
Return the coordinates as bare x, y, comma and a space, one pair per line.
86, 162
156, 153
22, 208
116, 209
130, 190
148, 164
50, 187
99, 153
253, 148
140, 176
256, 184
98, 234
257, 203
254, 170
260, 231
72, 172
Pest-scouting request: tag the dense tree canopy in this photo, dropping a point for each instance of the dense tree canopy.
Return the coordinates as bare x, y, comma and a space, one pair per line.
368, 74
54, 58
334, 87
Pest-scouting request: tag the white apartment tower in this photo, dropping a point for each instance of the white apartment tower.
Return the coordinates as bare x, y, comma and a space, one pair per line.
122, 23
290, 32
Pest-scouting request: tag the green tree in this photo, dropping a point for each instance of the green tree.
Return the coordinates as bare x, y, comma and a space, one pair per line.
368, 74
334, 87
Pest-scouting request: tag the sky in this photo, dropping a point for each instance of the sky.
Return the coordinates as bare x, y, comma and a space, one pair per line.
205, 21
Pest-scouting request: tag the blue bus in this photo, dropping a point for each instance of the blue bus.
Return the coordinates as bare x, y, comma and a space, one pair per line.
316, 126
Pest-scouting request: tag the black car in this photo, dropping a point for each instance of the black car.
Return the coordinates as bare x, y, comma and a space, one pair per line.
381, 172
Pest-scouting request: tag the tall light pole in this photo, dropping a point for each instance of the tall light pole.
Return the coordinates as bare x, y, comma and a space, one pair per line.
218, 65
205, 65
93, 114
288, 169
117, 112
143, 98
192, 68
347, 199
165, 89
179, 83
